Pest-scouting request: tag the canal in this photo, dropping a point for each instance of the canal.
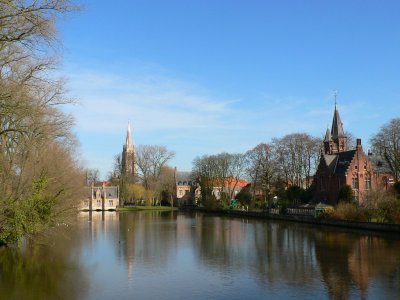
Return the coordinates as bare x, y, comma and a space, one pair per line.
175, 255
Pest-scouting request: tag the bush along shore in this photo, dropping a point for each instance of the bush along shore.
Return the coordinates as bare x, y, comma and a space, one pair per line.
139, 208
322, 219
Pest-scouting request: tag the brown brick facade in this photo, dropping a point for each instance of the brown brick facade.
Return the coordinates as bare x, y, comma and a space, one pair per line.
339, 166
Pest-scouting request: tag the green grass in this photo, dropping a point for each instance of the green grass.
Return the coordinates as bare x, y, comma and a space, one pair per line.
135, 208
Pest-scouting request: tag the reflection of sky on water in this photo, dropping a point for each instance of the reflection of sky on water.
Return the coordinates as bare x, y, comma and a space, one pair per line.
163, 255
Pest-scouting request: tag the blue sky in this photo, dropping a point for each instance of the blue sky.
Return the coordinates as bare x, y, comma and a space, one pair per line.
202, 77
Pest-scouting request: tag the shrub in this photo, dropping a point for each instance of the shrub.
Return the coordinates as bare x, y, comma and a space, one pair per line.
396, 187
346, 194
388, 210
350, 211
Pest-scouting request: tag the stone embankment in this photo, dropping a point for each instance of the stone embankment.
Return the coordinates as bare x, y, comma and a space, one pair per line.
369, 226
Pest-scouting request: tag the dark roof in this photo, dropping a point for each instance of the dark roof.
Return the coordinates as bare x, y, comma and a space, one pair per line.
380, 164
337, 126
184, 178
338, 163
343, 161
327, 135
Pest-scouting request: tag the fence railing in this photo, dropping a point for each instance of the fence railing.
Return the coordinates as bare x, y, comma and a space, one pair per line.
300, 211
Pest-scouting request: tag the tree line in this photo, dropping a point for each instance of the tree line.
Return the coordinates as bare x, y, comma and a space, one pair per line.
269, 167
39, 175
283, 167
152, 181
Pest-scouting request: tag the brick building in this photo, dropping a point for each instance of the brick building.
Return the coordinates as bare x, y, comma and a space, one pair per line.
339, 166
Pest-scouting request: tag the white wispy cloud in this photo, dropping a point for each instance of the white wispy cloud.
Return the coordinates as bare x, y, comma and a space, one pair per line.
108, 101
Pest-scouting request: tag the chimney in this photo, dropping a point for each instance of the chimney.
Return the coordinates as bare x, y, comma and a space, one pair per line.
369, 152
358, 143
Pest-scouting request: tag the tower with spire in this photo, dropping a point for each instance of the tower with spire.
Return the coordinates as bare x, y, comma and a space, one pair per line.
128, 159
335, 140
339, 167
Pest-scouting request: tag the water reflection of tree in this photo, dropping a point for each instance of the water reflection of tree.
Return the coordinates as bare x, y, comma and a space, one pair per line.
149, 237
273, 251
332, 252
42, 271
350, 259
281, 252
285, 252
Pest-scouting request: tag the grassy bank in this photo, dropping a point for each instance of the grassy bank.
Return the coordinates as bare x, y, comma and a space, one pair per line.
135, 208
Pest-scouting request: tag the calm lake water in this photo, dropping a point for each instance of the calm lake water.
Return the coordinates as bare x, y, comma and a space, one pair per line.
174, 255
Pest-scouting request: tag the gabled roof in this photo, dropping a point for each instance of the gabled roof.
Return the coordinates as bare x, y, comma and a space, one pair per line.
337, 126
338, 163
343, 161
380, 165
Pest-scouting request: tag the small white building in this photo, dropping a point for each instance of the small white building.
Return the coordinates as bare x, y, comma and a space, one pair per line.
101, 198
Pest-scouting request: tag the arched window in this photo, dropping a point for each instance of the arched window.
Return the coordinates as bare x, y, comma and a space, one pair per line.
354, 182
367, 181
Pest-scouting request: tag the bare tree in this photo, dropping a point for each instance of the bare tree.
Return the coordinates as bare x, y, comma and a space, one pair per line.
92, 176
37, 168
150, 160
204, 170
386, 143
297, 157
261, 168
218, 175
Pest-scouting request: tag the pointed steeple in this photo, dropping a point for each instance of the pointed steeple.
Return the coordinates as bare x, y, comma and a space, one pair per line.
337, 126
328, 136
128, 142
128, 161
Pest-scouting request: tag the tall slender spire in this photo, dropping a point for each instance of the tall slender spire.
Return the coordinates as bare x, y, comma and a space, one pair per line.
128, 142
128, 165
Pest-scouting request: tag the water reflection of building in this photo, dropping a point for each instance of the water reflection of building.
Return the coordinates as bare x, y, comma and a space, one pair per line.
147, 238
345, 259
344, 265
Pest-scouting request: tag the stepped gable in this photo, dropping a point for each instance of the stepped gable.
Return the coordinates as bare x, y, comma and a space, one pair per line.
343, 160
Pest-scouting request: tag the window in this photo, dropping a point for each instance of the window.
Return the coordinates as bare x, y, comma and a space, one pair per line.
110, 203
98, 202
354, 183
367, 182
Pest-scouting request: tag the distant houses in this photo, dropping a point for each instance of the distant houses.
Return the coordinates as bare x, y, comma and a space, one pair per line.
188, 191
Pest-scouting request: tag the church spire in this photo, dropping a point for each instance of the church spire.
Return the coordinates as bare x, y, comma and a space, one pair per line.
128, 142
337, 125
335, 140
128, 161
